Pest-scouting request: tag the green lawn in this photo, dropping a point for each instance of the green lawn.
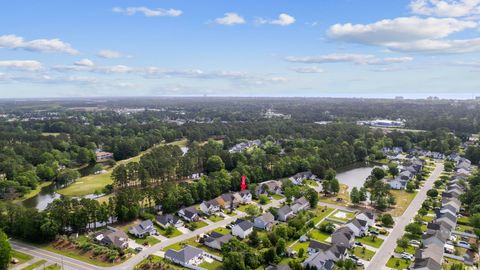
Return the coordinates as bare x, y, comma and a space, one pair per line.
403, 199
199, 224
215, 265
321, 213
368, 240
75, 254
162, 231
311, 183
149, 239
222, 230
242, 207
277, 197
35, 265
402, 263
21, 257
178, 246
53, 267
362, 253
299, 245
342, 198
316, 234
410, 250
87, 185
157, 259
215, 218
463, 220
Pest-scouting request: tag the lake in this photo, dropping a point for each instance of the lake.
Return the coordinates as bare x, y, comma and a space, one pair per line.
40, 201
354, 175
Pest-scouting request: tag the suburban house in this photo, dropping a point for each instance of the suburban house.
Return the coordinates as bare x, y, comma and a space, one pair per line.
448, 220
269, 187
343, 237
325, 259
216, 240
359, 227
397, 183
426, 264
242, 228
284, 213
246, 196
316, 246
101, 156
168, 220
113, 237
300, 204
368, 217
210, 207
264, 222
187, 256
406, 175
142, 230
190, 214
298, 178
232, 200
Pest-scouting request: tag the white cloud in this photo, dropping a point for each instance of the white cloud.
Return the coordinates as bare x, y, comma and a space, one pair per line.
408, 34
364, 59
109, 54
39, 45
116, 69
30, 65
312, 69
475, 64
230, 18
446, 8
85, 62
283, 20
157, 12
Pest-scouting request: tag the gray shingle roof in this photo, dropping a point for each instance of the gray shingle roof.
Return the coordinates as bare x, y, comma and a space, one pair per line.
184, 255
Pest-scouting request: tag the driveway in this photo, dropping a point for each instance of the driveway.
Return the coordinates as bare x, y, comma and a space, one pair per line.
388, 246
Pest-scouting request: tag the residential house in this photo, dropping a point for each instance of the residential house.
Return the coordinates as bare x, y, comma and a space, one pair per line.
325, 259
300, 204
358, 226
102, 156
406, 175
216, 240
368, 217
242, 228
142, 230
186, 257
246, 196
343, 237
269, 187
232, 200
264, 222
298, 178
169, 220
210, 207
284, 213
448, 220
426, 264
190, 214
462, 173
397, 183
113, 237
316, 246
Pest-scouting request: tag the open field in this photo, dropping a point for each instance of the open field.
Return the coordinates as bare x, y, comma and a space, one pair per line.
321, 213
403, 199
342, 198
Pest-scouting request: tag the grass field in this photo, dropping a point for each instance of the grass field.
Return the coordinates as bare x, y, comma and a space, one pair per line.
342, 198
368, 240
21, 257
35, 265
222, 230
89, 184
398, 263
365, 254
318, 235
403, 199
162, 231
215, 218
215, 265
299, 245
53, 267
277, 197
320, 214
410, 250
149, 239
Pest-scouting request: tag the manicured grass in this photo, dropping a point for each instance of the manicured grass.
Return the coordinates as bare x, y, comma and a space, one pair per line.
321, 213
149, 239
277, 197
215, 218
242, 207
368, 240
178, 246
162, 231
53, 267
343, 195
362, 253
316, 234
311, 183
463, 228
76, 255
34, 192
215, 265
199, 224
299, 245
222, 230
87, 185
448, 262
403, 199
21, 257
35, 265
348, 215
402, 263
156, 259
410, 250
463, 220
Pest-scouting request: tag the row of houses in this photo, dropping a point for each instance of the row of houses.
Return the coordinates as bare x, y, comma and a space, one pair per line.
438, 238
238, 148
323, 256
226, 201
408, 170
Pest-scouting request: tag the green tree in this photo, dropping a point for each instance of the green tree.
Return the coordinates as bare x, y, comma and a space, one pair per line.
432, 193
355, 196
387, 220
252, 210
410, 186
393, 169
263, 199
335, 185
312, 197
402, 243
378, 173
5, 251
215, 164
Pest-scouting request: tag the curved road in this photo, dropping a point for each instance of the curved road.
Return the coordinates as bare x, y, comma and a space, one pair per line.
386, 250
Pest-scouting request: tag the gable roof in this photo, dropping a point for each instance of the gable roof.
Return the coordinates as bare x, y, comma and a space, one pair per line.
112, 236
218, 237
167, 219
244, 224
359, 223
316, 245
266, 218
189, 212
428, 263
284, 210
184, 255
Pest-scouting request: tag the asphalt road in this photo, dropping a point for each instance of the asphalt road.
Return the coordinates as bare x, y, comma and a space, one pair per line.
388, 246
73, 264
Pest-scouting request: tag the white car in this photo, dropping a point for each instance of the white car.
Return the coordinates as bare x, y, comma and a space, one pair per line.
463, 244
406, 256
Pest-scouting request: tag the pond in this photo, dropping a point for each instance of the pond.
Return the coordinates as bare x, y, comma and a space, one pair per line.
354, 175
47, 195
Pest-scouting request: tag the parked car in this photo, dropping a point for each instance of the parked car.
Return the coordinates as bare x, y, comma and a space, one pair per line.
463, 244
353, 257
359, 263
138, 249
406, 256
359, 244
373, 232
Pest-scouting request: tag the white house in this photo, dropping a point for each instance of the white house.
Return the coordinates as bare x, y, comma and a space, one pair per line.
187, 256
368, 217
246, 196
264, 222
210, 207
242, 228
284, 213
300, 204
358, 227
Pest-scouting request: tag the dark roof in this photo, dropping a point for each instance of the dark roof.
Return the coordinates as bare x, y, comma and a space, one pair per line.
316, 245
244, 224
285, 210
215, 236
190, 212
114, 237
428, 263
168, 218
267, 217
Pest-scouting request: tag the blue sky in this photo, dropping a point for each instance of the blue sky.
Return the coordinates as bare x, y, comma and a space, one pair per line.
335, 48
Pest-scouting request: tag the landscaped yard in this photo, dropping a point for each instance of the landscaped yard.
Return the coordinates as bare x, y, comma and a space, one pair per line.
215, 218
410, 250
398, 263
342, 198
342, 215
316, 234
35, 265
152, 260
363, 253
215, 265
178, 246
368, 240
299, 245
163, 232
198, 224
311, 183
222, 230
149, 239
321, 213
242, 207
277, 197
21, 257
403, 199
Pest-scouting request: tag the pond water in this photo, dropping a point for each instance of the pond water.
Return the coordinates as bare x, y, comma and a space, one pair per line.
355, 175
46, 196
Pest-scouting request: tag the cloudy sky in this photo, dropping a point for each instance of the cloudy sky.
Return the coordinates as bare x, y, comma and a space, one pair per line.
335, 48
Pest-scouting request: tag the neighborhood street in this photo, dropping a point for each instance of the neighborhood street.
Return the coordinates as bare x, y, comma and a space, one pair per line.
73, 264
384, 253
